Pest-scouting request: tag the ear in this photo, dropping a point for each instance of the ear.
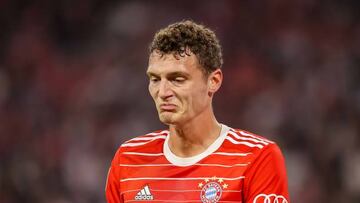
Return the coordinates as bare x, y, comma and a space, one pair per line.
214, 80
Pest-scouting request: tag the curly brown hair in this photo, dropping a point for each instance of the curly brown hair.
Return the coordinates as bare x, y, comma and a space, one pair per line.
181, 37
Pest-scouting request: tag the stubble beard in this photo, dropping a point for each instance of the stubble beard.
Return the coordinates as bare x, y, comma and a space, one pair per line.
167, 119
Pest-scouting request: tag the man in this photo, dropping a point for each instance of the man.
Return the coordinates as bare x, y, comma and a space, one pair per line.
197, 159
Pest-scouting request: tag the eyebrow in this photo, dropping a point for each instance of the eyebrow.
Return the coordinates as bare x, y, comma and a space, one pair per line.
171, 74
150, 73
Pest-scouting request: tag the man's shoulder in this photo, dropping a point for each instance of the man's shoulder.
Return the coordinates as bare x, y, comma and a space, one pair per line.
247, 141
152, 141
141, 148
245, 133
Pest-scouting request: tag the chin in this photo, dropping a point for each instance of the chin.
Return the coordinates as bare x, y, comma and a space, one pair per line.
168, 119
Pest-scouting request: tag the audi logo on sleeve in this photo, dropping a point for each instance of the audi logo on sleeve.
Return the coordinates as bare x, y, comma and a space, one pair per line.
270, 198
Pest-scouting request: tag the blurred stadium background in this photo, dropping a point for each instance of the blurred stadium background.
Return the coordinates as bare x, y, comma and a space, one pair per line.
73, 88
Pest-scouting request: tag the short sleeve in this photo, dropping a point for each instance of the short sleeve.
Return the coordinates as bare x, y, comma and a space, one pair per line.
112, 188
265, 179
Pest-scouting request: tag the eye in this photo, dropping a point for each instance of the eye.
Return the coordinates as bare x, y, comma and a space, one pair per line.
179, 79
154, 79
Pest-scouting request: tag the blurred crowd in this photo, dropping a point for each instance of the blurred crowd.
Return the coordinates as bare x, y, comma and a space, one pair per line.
73, 88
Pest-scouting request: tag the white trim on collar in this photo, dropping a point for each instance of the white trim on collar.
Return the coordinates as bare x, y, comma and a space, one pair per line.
188, 161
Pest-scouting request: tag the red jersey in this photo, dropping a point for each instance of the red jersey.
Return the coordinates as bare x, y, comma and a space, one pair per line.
238, 167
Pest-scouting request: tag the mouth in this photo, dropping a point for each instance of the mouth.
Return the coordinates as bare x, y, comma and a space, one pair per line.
167, 107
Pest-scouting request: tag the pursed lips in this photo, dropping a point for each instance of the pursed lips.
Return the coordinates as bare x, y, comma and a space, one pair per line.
167, 107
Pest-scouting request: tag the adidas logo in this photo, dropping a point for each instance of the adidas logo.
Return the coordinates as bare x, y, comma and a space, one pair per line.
144, 194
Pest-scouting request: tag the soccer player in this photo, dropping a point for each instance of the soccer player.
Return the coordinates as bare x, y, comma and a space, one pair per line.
197, 159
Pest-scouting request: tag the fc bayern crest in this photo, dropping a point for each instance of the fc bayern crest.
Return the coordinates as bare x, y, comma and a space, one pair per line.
211, 190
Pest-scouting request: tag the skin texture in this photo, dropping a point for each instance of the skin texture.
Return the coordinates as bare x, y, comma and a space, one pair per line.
183, 98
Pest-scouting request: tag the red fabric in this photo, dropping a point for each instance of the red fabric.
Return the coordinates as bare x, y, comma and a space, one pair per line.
252, 171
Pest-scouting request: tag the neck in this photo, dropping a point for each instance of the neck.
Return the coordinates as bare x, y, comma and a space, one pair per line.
195, 136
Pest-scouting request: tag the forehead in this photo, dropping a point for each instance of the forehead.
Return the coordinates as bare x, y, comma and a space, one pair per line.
170, 63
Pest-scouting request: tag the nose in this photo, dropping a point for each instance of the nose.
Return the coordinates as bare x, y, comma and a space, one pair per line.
165, 90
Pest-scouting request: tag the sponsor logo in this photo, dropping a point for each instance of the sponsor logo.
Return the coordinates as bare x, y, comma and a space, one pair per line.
270, 198
211, 189
144, 194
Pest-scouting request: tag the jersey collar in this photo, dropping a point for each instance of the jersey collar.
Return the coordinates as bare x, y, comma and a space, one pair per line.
188, 161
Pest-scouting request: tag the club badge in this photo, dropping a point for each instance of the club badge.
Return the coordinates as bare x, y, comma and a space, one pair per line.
211, 189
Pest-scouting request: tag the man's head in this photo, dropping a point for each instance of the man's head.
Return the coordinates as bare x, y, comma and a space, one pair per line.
186, 36
184, 72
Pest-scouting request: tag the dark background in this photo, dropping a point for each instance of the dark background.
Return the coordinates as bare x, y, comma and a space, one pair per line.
73, 88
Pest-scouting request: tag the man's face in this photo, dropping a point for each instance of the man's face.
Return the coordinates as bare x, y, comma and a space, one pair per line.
178, 87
